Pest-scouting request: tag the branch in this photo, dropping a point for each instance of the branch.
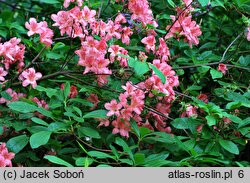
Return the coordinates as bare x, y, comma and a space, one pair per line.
29, 64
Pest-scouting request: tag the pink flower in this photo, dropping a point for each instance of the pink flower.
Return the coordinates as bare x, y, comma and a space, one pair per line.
104, 122
184, 27
126, 34
93, 98
149, 42
88, 15
113, 108
163, 50
33, 26
15, 96
226, 120
199, 128
5, 156
248, 33
42, 29
42, 104
203, 97
73, 91
191, 111
120, 19
222, 68
141, 12
121, 126
2, 74
29, 76
12, 52
67, 2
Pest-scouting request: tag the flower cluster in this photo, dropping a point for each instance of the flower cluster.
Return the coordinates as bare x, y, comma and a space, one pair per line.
14, 96
184, 26
153, 85
92, 57
130, 106
141, 12
42, 104
3, 73
131, 102
5, 156
40, 28
30, 76
11, 52
191, 111
74, 22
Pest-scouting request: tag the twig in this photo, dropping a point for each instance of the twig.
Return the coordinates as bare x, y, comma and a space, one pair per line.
178, 16
29, 64
223, 56
95, 148
216, 63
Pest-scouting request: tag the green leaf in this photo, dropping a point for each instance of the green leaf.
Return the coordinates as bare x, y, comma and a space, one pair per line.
194, 87
5, 95
233, 105
96, 114
49, 1
156, 160
216, 74
139, 158
49, 91
40, 138
171, 3
84, 161
158, 73
44, 112
180, 123
39, 121
125, 147
16, 144
144, 131
229, 146
244, 122
186, 123
66, 90
52, 55
135, 127
204, 2
22, 107
56, 126
1, 130
82, 101
233, 118
89, 132
211, 120
100, 155
56, 160
79, 112
140, 67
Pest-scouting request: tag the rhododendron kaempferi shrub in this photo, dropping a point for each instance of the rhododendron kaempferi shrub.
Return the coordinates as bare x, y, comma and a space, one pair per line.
126, 83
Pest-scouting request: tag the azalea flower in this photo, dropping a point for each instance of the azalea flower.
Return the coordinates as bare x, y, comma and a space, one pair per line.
2, 74
5, 156
149, 42
113, 108
222, 68
29, 76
